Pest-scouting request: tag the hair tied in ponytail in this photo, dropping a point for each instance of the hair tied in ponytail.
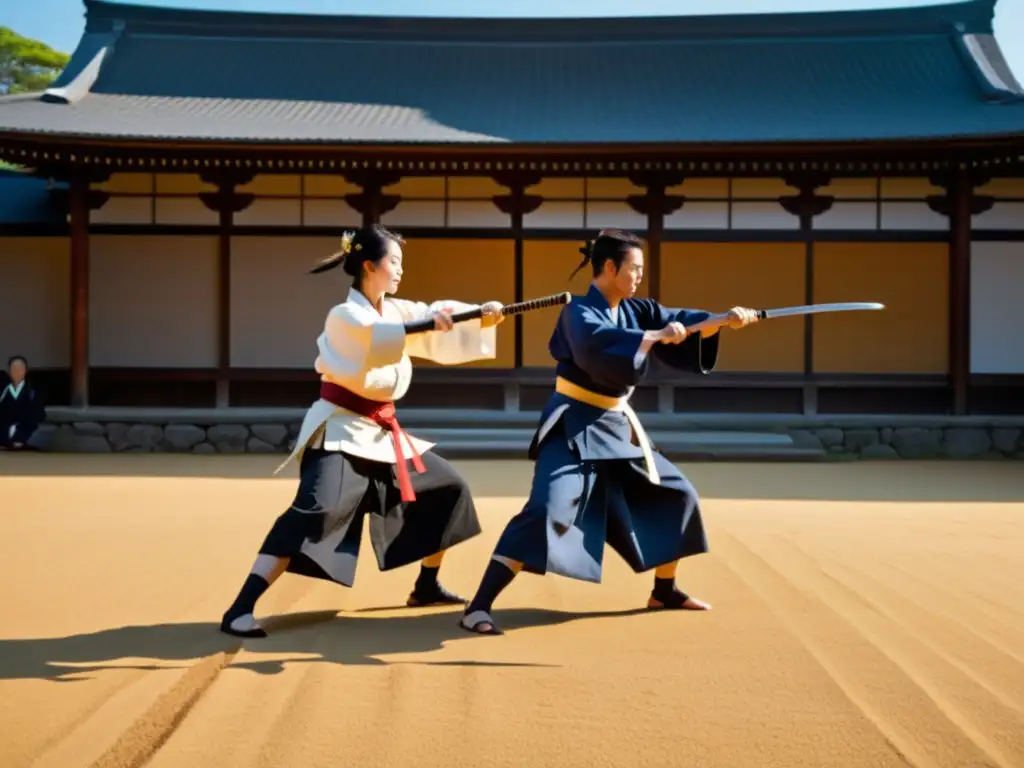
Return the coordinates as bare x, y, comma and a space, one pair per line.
337, 258
587, 249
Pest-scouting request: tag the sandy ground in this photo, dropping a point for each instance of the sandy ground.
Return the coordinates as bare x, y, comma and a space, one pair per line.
864, 615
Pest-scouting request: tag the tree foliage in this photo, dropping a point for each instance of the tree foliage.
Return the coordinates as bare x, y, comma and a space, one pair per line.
27, 65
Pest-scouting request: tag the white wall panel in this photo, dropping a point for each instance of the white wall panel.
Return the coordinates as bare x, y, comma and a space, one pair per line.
912, 216
124, 210
556, 214
997, 288
1002, 215
183, 211
35, 300
476, 213
271, 212
330, 213
766, 215
848, 216
699, 215
415, 213
619, 215
152, 301
277, 308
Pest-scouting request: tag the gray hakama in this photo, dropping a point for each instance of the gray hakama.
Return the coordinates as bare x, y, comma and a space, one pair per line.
593, 480
322, 530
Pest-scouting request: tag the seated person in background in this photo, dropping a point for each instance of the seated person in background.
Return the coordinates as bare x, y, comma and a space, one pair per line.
21, 408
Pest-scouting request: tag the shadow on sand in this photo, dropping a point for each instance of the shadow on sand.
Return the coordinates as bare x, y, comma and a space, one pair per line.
314, 636
937, 480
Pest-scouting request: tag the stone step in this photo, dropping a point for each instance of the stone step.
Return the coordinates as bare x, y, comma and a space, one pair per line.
513, 450
445, 418
673, 437
732, 446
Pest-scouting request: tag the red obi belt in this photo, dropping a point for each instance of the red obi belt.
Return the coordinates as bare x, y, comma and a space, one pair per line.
382, 414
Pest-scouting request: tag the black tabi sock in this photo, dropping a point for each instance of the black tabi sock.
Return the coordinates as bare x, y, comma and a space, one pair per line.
252, 590
427, 578
663, 588
496, 578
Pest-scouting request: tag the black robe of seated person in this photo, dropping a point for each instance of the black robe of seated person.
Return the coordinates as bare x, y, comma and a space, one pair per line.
21, 413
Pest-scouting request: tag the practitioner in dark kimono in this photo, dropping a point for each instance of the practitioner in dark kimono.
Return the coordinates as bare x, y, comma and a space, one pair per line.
597, 478
21, 408
353, 450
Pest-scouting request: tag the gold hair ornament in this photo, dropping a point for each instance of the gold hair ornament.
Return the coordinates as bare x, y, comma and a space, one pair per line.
337, 258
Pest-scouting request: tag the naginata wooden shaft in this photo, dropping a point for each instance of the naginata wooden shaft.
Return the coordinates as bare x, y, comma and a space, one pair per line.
554, 300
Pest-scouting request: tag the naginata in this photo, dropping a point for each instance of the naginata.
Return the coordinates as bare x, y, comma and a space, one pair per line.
353, 451
597, 478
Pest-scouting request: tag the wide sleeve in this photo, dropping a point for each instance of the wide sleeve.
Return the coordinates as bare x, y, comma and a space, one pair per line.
465, 342
697, 354
606, 353
353, 341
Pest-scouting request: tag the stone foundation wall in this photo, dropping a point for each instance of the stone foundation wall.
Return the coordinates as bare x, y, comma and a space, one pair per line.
118, 437
915, 442
839, 443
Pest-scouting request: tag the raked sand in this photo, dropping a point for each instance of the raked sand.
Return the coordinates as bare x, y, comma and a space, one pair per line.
864, 615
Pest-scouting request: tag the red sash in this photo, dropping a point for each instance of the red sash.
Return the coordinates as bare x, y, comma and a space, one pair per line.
382, 413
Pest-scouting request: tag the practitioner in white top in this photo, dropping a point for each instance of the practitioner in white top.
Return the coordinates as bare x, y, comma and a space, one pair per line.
353, 453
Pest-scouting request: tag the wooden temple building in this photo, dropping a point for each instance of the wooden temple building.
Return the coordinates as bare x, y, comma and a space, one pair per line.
188, 167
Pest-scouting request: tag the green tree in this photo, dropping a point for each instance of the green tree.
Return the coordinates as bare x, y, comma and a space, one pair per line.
26, 64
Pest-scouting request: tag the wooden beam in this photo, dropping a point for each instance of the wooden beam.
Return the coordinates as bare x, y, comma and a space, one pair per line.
516, 205
372, 203
79, 213
656, 204
960, 205
960, 292
226, 202
224, 308
902, 155
807, 204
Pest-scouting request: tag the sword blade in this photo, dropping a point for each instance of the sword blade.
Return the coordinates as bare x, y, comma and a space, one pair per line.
814, 309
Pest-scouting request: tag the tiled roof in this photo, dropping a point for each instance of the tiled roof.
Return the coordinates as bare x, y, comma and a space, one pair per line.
155, 73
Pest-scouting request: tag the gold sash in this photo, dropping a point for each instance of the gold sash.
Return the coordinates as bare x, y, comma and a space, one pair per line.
608, 403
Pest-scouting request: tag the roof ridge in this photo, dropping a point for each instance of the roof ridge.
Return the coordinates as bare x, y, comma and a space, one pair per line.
983, 57
968, 15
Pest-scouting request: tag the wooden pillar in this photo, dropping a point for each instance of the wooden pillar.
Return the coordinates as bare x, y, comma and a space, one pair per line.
960, 205
226, 202
960, 292
226, 219
656, 204
79, 221
517, 204
807, 204
76, 203
372, 203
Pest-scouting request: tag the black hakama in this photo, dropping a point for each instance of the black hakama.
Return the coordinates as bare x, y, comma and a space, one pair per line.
322, 531
591, 488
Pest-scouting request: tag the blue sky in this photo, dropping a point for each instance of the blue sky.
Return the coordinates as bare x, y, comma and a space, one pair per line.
59, 22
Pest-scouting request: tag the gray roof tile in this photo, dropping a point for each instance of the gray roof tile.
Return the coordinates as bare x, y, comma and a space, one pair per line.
188, 75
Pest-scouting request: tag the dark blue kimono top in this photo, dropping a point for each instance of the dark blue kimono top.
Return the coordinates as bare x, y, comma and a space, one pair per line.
597, 351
